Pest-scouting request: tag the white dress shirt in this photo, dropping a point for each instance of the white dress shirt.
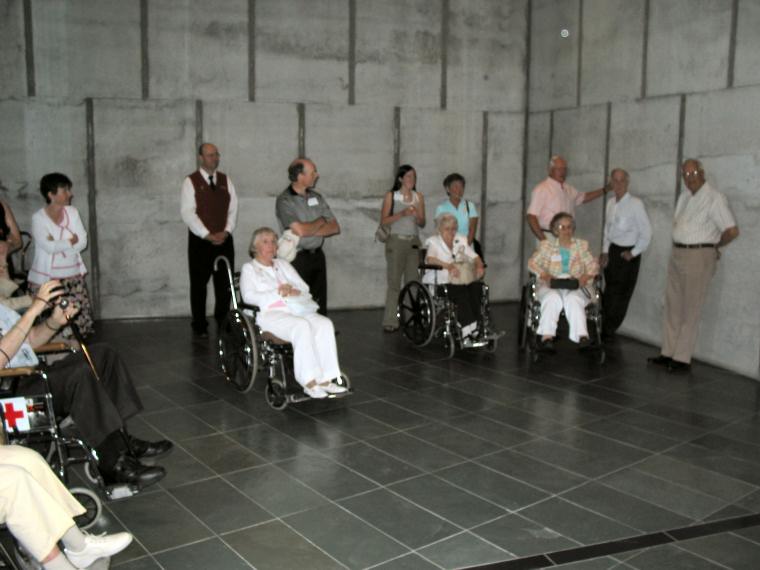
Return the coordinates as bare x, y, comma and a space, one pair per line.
627, 224
701, 217
188, 206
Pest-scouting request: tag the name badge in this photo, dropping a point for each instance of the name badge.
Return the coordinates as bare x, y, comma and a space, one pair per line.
312, 201
556, 257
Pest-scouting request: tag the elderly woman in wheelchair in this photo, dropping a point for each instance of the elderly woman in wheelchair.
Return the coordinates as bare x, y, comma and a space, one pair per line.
564, 267
287, 311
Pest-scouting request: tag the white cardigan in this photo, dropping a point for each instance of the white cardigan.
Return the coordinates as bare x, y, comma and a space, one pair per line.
57, 258
259, 284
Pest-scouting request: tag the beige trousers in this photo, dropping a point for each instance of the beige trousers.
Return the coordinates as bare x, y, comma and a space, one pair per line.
689, 274
402, 260
34, 504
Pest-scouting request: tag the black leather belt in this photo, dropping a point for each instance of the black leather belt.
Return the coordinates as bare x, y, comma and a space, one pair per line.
622, 246
695, 245
311, 251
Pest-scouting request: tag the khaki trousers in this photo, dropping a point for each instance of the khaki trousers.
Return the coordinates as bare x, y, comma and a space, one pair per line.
34, 504
402, 259
689, 274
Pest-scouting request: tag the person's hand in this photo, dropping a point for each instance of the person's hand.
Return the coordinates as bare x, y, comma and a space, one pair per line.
604, 259
47, 293
3, 250
480, 271
286, 289
453, 270
627, 255
74, 239
409, 211
61, 317
584, 279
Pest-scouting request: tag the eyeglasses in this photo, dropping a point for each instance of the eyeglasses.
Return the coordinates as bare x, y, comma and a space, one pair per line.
564, 226
691, 173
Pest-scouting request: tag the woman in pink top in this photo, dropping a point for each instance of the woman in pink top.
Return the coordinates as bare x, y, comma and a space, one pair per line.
59, 238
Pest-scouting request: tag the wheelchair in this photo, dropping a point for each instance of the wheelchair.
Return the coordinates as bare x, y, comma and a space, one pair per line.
425, 312
245, 352
530, 314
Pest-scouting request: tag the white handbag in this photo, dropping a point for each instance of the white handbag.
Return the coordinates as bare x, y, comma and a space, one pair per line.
287, 246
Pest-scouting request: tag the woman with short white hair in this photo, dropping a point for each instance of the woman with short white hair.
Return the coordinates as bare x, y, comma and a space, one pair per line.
287, 310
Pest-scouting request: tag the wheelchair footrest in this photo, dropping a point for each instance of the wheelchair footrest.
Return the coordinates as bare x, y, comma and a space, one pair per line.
121, 491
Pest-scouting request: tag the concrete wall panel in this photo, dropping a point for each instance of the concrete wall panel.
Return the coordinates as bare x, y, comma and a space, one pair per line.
688, 45
486, 55
198, 49
353, 150
553, 58
539, 152
143, 152
613, 39
644, 141
12, 49
257, 142
747, 64
718, 132
579, 136
398, 52
302, 51
504, 212
87, 49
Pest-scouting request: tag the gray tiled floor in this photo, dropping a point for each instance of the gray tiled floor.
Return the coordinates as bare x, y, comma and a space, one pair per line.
438, 463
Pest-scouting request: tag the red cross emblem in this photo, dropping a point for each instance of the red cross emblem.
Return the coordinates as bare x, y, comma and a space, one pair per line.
16, 417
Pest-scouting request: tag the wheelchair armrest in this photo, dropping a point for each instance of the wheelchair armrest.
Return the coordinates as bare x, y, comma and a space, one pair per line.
18, 371
254, 308
53, 347
428, 266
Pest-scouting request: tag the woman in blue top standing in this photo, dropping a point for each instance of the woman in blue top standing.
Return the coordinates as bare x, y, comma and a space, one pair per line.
404, 211
463, 210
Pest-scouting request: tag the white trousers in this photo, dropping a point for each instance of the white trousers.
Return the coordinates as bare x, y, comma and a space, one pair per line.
34, 504
552, 302
315, 355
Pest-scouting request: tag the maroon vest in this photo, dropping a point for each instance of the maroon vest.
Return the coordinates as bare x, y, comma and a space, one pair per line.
211, 205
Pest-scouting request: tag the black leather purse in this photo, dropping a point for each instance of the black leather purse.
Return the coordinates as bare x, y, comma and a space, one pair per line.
569, 283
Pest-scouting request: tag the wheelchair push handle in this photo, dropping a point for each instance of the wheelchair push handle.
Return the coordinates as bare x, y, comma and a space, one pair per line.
223, 260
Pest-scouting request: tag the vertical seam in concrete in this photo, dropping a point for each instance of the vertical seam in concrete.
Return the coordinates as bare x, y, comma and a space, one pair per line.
31, 83
351, 52
551, 136
301, 129
526, 150
144, 50
681, 130
198, 124
251, 50
732, 43
444, 51
645, 50
607, 136
484, 181
396, 139
579, 73
92, 202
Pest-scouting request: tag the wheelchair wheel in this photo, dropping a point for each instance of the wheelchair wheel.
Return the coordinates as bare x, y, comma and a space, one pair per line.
92, 504
275, 394
448, 337
238, 351
416, 313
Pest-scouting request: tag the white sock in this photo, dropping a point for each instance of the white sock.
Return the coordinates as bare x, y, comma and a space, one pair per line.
60, 562
73, 539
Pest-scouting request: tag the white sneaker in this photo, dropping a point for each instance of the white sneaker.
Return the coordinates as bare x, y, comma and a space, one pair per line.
99, 547
315, 391
331, 388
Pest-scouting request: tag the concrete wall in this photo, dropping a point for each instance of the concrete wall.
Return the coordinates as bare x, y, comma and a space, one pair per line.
358, 85
640, 84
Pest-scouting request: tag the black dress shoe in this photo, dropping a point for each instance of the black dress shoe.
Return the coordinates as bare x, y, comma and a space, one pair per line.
676, 367
149, 449
547, 346
660, 360
130, 471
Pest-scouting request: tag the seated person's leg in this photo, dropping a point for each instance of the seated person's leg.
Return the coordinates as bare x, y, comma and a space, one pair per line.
467, 300
323, 333
575, 311
551, 306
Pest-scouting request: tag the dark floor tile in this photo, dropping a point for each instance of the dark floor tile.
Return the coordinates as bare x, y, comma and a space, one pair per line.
415, 451
326, 476
433, 373
220, 453
269, 443
219, 505
523, 537
606, 563
144, 563
275, 490
427, 406
372, 463
307, 430
575, 522
354, 423
153, 401
493, 431
531, 423
670, 556
178, 424
274, 546
391, 414
407, 562
221, 415
683, 416
717, 461
537, 473
464, 550
458, 398
448, 501
630, 435
399, 518
491, 485
202, 556
153, 519
184, 393
738, 449
182, 468
345, 537
454, 440
492, 392
727, 549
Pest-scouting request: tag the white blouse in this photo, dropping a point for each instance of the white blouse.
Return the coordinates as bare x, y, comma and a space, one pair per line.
56, 258
437, 248
259, 284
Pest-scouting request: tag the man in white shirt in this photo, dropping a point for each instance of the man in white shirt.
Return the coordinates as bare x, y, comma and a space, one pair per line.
209, 209
552, 196
627, 233
702, 224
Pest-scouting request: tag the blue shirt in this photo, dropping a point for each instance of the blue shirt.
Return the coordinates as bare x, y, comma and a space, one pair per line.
463, 213
565, 254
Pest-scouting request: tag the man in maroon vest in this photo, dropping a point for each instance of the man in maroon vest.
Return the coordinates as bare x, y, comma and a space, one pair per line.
209, 208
